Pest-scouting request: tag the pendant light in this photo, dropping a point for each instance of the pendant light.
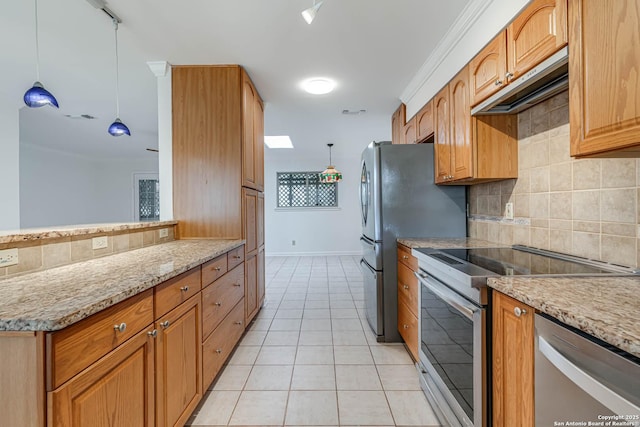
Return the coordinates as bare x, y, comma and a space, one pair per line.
310, 14
330, 174
38, 96
117, 128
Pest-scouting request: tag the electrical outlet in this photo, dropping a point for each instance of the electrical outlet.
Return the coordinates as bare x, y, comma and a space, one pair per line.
8, 257
508, 210
99, 242
164, 232
293, 243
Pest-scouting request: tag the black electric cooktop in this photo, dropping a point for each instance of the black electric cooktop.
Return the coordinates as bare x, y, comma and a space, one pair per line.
516, 262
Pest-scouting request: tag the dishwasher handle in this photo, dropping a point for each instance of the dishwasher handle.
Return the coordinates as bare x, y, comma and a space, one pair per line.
609, 398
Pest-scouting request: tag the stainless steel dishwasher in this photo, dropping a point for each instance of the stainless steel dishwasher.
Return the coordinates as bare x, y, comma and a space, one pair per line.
582, 380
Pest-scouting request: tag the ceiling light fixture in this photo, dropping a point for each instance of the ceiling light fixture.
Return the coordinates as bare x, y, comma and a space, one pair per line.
318, 85
278, 141
117, 128
330, 174
310, 14
38, 96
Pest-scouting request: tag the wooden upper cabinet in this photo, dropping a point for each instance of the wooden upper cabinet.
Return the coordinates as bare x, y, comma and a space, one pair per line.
410, 132
604, 87
397, 125
513, 360
536, 33
442, 136
488, 68
252, 136
461, 149
424, 122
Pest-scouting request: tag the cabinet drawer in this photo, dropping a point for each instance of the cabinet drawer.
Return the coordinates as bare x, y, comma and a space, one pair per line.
219, 298
408, 328
236, 257
405, 257
173, 292
213, 269
74, 348
408, 288
217, 348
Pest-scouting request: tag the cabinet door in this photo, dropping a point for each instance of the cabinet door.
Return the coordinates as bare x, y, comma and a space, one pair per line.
604, 87
117, 390
250, 220
442, 136
410, 132
461, 149
260, 276
424, 121
258, 142
537, 33
248, 142
513, 358
487, 69
260, 220
178, 363
397, 125
251, 288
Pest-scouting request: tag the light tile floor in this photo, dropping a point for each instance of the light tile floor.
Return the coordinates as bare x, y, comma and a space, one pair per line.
310, 358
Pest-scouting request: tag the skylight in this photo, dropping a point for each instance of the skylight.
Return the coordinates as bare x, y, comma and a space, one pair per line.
278, 141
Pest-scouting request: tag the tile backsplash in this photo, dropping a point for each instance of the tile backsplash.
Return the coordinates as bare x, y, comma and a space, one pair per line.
584, 207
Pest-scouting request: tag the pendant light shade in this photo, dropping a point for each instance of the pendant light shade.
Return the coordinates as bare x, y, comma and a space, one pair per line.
330, 174
310, 14
117, 128
38, 96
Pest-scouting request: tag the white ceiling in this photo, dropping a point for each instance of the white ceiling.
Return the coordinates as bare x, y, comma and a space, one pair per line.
372, 48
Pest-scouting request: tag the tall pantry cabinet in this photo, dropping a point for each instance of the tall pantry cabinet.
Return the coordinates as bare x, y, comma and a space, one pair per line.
218, 164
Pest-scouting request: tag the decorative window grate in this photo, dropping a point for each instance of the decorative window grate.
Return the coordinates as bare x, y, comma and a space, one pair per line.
149, 197
304, 190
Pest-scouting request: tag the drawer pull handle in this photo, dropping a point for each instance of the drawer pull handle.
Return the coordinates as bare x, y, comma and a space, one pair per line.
165, 324
237, 284
405, 326
219, 351
121, 327
405, 257
153, 333
184, 289
217, 269
237, 257
519, 311
217, 304
237, 323
406, 286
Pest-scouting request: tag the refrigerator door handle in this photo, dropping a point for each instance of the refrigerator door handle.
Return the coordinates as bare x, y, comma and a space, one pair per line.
368, 267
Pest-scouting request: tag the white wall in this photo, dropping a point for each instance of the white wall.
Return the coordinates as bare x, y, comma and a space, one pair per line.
9, 165
58, 188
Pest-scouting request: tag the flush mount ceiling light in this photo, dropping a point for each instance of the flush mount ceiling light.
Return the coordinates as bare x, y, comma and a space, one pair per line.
38, 96
330, 174
278, 141
117, 128
318, 85
310, 14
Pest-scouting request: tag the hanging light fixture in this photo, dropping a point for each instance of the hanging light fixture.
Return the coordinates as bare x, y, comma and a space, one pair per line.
38, 96
117, 128
330, 174
310, 14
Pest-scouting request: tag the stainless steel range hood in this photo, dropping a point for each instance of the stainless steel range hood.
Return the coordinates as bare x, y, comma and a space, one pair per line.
547, 79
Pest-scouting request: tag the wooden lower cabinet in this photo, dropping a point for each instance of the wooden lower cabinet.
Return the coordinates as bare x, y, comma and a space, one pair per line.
179, 363
260, 275
513, 362
117, 390
408, 300
251, 288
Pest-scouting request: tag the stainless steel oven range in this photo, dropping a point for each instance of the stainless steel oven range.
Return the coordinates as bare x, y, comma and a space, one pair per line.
455, 317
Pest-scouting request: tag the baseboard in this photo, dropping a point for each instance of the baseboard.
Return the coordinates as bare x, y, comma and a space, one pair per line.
332, 253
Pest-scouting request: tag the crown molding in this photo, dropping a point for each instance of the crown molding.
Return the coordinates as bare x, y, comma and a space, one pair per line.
159, 68
465, 21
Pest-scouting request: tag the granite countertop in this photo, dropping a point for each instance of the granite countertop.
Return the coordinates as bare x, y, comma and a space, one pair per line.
53, 299
605, 307
445, 243
31, 234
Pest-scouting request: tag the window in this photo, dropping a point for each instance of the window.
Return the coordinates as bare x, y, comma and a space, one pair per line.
146, 197
304, 190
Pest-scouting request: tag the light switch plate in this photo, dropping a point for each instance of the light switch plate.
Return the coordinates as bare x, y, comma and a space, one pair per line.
508, 211
99, 242
164, 232
8, 257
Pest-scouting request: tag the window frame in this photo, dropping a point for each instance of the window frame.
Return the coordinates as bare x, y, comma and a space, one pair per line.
335, 206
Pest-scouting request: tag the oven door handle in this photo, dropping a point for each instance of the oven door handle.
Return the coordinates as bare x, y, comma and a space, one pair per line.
450, 297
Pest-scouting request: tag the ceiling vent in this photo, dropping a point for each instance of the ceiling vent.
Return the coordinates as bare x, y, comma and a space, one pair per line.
353, 112
81, 116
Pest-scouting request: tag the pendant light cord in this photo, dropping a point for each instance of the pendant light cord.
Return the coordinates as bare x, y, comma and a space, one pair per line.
115, 26
37, 45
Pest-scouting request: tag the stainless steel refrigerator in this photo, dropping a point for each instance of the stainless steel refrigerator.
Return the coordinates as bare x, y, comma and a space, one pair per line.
398, 198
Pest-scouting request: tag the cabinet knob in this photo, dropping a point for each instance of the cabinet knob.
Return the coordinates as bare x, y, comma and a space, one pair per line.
217, 304
405, 257
184, 289
236, 257
120, 328
237, 284
217, 269
508, 75
165, 324
219, 351
153, 333
237, 323
405, 326
405, 286
519, 311
498, 82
